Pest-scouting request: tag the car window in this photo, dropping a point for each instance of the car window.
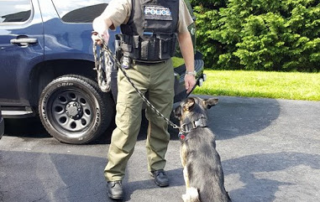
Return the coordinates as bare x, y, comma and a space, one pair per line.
14, 11
75, 11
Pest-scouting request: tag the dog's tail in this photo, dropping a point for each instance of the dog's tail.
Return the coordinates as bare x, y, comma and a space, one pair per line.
192, 195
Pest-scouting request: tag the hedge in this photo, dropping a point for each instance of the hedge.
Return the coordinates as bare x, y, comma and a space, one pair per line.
268, 35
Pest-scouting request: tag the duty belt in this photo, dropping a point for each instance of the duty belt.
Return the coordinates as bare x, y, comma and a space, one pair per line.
139, 62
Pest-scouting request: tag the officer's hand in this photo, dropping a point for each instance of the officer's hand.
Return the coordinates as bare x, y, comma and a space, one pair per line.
190, 82
96, 37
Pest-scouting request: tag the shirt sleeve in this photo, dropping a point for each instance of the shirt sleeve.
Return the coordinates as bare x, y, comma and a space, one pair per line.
118, 11
185, 18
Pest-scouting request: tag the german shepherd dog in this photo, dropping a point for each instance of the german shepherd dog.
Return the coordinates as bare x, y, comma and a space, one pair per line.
201, 163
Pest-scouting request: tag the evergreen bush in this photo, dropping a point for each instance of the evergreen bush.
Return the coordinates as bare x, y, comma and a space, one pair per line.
268, 35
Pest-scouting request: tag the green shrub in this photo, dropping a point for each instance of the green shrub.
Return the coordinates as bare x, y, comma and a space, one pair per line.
267, 35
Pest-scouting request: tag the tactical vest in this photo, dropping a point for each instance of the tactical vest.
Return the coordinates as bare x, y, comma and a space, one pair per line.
151, 32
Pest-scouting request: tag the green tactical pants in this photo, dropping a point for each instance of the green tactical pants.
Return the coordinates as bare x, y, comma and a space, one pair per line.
158, 81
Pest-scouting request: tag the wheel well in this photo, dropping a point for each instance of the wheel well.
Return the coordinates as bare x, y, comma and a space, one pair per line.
47, 71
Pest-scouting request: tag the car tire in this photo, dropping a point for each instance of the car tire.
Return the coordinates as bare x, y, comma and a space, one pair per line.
74, 110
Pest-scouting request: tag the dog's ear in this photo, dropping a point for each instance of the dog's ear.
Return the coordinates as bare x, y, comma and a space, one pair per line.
177, 112
208, 103
189, 104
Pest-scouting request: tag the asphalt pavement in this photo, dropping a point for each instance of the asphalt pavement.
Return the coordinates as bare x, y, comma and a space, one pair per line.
269, 150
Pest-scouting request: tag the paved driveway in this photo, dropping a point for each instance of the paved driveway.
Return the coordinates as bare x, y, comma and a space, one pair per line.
269, 151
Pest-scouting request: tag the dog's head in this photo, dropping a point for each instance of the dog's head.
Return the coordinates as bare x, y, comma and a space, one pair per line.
193, 108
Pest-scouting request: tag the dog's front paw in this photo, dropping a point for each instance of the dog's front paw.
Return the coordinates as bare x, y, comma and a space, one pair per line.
192, 195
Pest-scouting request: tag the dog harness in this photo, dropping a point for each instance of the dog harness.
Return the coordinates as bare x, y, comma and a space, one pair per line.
187, 127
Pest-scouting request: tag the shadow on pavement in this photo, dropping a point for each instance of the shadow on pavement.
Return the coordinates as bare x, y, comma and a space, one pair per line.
68, 177
261, 176
25, 127
242, 116
233, 117
176, 181
230, 118
29, 176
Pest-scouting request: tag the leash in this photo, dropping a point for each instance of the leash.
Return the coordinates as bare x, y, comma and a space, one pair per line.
103, 66
103, 58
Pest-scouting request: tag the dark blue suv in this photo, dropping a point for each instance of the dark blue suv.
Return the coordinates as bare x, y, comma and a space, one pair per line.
47, 67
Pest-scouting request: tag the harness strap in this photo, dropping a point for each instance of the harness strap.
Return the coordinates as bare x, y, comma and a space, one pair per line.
201, 122
187, 127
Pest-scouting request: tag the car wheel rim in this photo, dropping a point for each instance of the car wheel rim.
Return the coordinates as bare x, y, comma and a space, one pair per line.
71, 111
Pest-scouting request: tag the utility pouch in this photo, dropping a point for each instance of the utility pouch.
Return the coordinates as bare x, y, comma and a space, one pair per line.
135, 47
144, 50
118, 47
167, 46
155, 47
126, 42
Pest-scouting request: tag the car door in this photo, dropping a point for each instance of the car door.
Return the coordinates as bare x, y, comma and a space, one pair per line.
21, 47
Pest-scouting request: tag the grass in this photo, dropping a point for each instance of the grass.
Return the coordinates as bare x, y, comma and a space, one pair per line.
277, 85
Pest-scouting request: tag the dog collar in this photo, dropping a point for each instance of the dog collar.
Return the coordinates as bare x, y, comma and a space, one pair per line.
186, 127
201, 122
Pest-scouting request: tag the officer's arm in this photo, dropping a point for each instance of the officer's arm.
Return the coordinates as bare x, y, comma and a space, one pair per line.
101, 24
186, 47
116, 13
187, 51
101, 27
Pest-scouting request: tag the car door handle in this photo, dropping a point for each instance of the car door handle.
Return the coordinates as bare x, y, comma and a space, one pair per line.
24, 42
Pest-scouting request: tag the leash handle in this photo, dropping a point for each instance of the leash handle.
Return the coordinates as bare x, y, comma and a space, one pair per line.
103, 65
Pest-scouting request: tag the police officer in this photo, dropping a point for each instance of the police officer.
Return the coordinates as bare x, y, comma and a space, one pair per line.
150, 30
